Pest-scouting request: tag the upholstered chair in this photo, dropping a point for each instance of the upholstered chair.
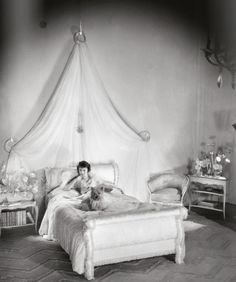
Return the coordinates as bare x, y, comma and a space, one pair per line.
168, 188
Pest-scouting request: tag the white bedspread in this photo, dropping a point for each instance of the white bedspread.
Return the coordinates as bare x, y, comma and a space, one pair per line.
70, 226
64, 198
64, 222
69, 231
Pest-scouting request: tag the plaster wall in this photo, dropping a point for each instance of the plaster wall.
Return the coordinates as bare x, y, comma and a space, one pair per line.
148, 58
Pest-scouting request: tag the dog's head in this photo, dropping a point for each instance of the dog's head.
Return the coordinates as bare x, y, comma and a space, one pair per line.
96, 193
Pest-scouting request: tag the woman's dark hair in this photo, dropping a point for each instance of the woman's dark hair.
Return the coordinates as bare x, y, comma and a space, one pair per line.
83, 164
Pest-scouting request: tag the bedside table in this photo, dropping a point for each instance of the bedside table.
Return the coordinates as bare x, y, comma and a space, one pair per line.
208, 192
15, 214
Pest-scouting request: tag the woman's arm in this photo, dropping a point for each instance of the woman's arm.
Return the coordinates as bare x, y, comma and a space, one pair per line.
72, 179
67, 185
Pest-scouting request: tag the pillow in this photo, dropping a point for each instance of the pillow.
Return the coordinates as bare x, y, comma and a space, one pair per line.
106, 172
168, 191
55, 176
166, 195
52, 176
68, 174
166, 180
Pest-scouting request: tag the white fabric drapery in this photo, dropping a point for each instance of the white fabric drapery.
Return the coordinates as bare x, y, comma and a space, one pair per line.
80, 122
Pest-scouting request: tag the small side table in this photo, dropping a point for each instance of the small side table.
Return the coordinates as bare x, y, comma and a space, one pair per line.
20, 206
208, 192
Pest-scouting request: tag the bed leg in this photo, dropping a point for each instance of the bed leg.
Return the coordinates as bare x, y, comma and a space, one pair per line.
180, 241
89, 267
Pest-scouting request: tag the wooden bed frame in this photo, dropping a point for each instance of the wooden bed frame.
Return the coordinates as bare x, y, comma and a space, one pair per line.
121, 236
135, 235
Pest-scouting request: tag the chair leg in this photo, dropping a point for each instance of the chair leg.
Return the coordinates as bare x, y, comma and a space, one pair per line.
180, 242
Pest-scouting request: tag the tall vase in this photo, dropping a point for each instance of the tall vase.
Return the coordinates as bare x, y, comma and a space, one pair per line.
212, 162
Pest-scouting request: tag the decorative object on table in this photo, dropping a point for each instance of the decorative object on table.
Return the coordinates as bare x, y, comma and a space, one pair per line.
17, 186
211, 162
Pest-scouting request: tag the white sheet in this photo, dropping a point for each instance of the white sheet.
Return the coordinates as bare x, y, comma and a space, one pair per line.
69, 230
64, 222
70, 227
60, 199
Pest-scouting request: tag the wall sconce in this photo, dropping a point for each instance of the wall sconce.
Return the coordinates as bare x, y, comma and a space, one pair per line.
8, 144
79, 36
223, 57
80, 128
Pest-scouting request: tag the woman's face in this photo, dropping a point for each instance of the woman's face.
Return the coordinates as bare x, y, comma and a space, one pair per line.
83, 172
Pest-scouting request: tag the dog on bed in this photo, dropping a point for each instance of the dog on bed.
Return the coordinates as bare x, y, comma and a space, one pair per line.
107, 198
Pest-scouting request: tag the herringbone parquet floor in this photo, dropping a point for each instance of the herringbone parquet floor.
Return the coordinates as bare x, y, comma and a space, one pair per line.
210, 257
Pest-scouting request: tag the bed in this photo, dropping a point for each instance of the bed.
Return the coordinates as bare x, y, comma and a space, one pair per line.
92, 239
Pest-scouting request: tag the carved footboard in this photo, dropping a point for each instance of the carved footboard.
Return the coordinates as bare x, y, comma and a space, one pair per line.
135, 235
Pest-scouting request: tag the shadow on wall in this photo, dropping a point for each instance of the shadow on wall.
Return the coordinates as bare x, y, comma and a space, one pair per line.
186, 11
5, 125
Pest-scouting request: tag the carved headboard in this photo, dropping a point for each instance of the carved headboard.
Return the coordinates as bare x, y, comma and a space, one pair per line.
107, 172
51, 177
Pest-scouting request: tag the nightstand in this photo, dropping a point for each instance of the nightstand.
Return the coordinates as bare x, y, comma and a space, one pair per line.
208, 192
18, 214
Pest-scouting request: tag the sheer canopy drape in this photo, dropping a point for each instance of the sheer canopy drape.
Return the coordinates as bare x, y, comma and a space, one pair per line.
81, 122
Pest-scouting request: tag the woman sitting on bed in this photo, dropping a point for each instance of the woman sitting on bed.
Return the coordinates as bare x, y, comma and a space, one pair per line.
78, 185
84, 180
68, 192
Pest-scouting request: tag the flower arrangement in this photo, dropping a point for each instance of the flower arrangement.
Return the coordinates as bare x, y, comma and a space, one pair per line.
212, 162
17, 181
